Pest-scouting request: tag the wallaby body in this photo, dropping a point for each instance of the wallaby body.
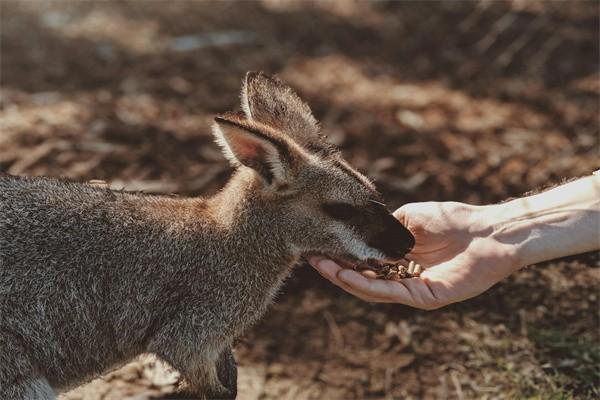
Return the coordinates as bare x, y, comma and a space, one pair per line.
104, 276
90, 277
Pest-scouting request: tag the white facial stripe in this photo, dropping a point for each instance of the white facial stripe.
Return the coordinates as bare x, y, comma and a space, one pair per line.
353, 244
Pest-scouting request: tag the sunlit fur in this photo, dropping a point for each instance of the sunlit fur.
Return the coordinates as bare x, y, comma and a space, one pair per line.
91, 278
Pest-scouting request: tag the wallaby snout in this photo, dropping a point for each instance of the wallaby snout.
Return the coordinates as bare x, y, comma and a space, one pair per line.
379, 229
394, 240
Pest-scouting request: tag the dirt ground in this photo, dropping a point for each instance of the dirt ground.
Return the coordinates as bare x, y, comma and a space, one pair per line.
465, 101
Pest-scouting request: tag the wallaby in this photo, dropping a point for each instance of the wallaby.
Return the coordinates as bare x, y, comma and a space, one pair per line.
91, 277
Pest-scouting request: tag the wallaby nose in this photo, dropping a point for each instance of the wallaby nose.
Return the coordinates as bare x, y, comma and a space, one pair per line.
395, 241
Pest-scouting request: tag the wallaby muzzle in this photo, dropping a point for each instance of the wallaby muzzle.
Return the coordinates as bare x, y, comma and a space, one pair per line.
394, 240
385, 233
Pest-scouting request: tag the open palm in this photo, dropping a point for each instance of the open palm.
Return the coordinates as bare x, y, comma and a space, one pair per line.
455, 245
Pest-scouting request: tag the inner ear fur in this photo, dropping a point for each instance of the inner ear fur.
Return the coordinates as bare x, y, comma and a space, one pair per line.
256, 146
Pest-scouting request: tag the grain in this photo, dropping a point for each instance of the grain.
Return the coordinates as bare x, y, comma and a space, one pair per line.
390, 271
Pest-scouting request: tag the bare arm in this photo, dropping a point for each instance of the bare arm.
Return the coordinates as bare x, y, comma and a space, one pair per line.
556, 223
467, 249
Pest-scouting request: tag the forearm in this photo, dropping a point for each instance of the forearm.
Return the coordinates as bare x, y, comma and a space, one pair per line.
556, 223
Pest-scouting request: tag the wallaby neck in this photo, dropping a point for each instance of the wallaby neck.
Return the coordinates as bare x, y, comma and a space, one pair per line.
250, 222
251, 243
240, 225
236, 241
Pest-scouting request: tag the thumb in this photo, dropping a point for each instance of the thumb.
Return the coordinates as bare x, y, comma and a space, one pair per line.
415, 217
400, 215
411, 210
403, 213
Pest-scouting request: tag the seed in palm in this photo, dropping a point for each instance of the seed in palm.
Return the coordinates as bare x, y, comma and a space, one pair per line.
391, 271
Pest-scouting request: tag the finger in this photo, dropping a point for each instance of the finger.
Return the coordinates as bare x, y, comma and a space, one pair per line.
401, 215
413, 292
329, 270
423, 294
314, 260
361, 295
450, 284
408, 209
390, 291
335, 280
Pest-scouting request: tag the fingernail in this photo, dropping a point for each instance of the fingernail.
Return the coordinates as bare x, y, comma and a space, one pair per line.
345, 275
328, 268
326, 264
314, 260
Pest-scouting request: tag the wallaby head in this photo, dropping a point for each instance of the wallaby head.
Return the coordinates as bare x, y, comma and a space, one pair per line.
330, 208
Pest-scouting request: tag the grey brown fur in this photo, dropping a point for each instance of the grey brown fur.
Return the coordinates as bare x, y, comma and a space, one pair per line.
90, 277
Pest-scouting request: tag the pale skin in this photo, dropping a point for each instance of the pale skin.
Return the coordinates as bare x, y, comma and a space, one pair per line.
466, 249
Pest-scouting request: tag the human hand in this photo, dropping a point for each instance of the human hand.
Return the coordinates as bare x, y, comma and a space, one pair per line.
456, 246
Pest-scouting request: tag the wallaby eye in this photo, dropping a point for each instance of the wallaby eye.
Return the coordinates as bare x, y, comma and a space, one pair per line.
341, 211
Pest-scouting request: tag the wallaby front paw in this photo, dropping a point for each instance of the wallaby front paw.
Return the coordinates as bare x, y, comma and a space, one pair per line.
227, 373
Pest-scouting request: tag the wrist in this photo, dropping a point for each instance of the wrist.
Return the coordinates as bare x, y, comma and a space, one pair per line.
513, 224
497, 225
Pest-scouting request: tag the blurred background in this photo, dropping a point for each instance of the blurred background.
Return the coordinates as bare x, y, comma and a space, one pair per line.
466, 101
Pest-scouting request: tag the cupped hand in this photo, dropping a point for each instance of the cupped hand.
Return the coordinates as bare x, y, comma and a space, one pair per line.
455, 245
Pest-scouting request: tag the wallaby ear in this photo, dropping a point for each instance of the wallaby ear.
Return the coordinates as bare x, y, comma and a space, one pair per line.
245, 143
271, 102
